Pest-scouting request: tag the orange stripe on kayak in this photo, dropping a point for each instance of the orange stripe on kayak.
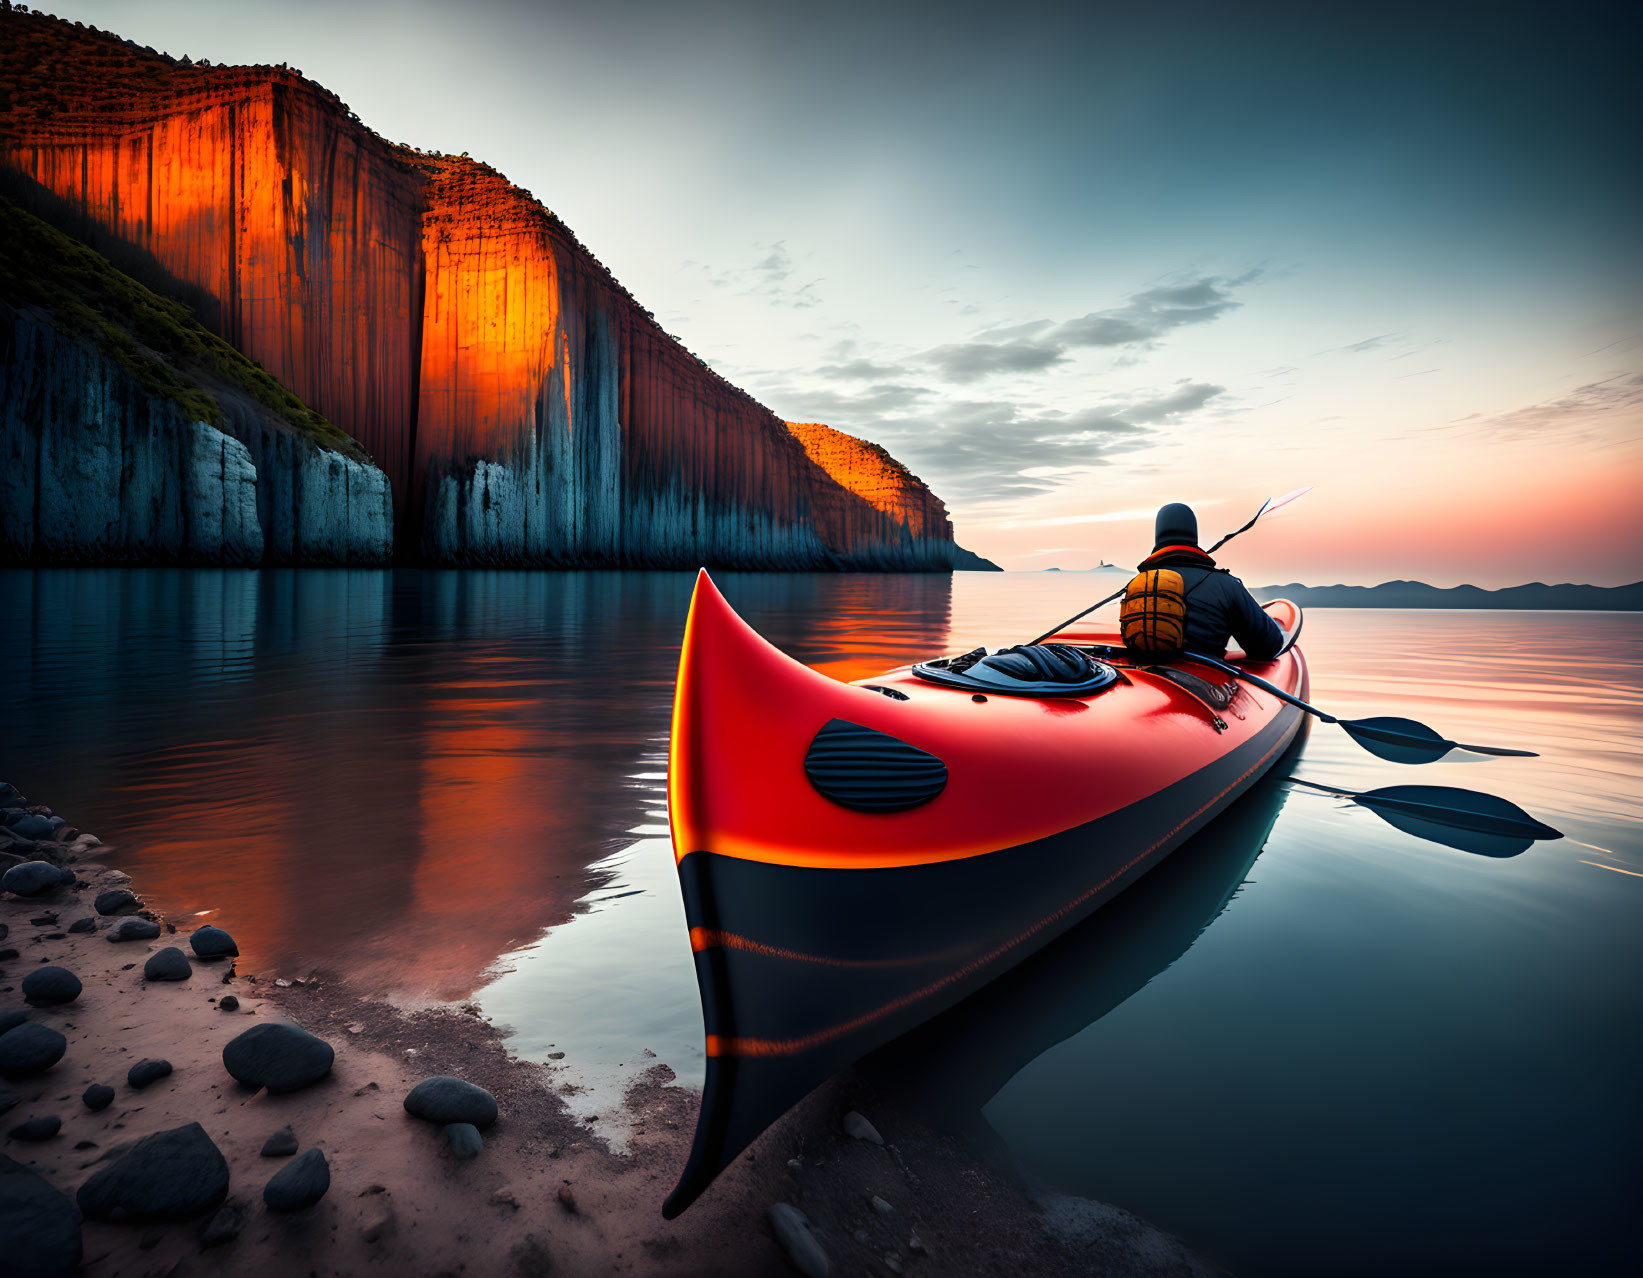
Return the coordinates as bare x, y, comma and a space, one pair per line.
719, 1045
702, 938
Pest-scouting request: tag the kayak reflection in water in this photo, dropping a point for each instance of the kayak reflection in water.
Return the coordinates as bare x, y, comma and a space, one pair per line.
948, 1069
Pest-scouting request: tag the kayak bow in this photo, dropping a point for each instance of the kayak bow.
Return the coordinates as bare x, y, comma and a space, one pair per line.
856, 858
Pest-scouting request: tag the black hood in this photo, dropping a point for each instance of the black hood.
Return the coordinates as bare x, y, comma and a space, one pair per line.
1176, 526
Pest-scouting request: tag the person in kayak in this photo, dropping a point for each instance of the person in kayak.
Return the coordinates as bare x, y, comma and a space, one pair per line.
1218, 607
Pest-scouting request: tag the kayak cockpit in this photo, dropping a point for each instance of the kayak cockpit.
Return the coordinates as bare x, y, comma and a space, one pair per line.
1029, 670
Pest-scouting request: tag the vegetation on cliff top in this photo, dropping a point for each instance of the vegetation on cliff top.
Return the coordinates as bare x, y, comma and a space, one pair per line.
158, 342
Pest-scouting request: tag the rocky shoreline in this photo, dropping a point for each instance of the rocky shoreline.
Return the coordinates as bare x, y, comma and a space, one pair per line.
166, 1113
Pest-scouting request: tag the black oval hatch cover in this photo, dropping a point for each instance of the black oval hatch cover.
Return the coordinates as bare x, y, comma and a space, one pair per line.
871, 771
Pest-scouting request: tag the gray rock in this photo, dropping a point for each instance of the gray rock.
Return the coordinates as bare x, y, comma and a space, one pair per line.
11, 1020
114, 900
225, 1224
792, 1229
135, 930
30, 826
31, 878
277, 1056
31, 1048
212, 942
169, 964
37, 1129
879, 1205
282, 1144
171, 1175
229, 1003
65, 875
147, 1071
464, 1140
51, 986
39, 1226
857, 1126
98, 1096
445, 1100
87, 924
300, 1183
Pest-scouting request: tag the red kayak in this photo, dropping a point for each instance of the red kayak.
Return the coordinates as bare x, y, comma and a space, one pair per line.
857, 857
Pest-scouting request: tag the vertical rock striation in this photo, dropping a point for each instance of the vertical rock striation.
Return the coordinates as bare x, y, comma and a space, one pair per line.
96, 467
524, 408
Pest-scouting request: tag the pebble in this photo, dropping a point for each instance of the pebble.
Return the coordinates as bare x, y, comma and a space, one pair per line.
300, 1183
39, 1225
117, 877
567, 1199
505, 1197
113, 901
229, 1003
445, 1100
170, 1175
30, 826
212, 942
87, 924
792, 1229
278, 1056
51, 986
464, 1140
31, 878
98, 1096
31, 1048
282, 1144
857, 1126
37, 1129
147, 1071
169, 964
225, 1224
892, 1262
135, 930
879, 1205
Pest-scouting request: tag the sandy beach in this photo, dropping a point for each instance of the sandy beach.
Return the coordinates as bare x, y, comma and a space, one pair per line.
546, 1194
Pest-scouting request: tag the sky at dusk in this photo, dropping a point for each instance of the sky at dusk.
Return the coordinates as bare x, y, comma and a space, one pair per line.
1070, 262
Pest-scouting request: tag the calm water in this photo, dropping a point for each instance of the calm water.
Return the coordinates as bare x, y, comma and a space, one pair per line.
1309, 1043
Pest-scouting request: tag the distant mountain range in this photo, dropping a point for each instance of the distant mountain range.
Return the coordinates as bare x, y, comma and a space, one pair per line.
1417, 594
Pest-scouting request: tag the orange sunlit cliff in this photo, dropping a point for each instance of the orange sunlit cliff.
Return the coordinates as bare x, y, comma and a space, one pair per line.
523, 407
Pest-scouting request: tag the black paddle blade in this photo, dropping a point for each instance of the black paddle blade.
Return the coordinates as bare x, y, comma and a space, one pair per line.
1468, 820
1406, 741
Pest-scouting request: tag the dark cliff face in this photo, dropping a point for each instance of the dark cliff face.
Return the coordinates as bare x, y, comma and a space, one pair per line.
524, 407
129, 434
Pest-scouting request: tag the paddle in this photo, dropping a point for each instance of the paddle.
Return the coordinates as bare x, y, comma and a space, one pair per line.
1397, 740
1267, 507
1465, 819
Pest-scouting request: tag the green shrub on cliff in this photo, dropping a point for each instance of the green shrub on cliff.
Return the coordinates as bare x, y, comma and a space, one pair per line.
159, 342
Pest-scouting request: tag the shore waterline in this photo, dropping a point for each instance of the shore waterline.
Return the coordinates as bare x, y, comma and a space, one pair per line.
409, 777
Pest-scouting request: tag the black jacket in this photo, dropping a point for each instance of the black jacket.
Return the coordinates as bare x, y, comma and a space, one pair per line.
1218, 606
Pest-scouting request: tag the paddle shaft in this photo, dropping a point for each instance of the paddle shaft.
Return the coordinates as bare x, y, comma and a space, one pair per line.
1260, 683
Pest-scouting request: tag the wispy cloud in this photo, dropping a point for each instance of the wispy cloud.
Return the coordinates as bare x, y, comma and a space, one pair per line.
1143, 320
1105, 517
769, 277
1589, 412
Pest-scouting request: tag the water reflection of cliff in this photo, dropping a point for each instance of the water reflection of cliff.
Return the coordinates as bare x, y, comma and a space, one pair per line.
949, 1068
396, 776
